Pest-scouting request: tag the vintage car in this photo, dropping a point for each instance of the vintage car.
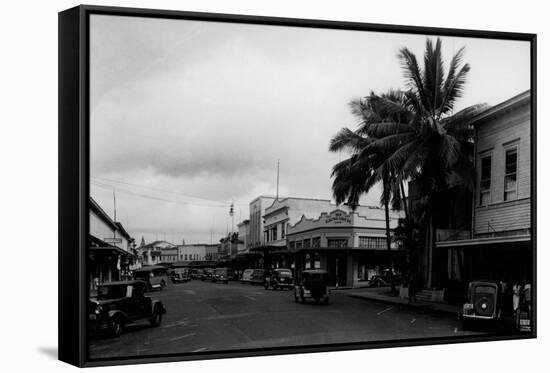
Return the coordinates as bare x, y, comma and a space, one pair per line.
194, 273
385, 278
312, 285
223, 275
156, 277
483, 302
206, 274
247, 275
280, 278
120, 303
180, 275
257, 277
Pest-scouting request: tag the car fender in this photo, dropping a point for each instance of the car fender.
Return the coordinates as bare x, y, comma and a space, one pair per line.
157, 303
118, 314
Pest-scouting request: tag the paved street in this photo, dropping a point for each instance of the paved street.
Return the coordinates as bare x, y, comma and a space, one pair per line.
203, 316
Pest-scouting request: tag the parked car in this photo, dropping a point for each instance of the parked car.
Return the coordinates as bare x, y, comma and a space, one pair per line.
385, 278
180, 275
223, 275
280, 278
258, 277
156, 277
247, 275
121, 303
312, 285
483, 302
206, 274
194, 273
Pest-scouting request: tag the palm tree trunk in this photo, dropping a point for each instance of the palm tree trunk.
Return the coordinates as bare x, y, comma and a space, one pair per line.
388, 242
404, 200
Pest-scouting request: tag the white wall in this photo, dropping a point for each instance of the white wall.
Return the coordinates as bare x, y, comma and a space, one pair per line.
193, 252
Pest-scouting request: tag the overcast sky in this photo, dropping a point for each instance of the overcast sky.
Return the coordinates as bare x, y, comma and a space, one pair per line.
187, 116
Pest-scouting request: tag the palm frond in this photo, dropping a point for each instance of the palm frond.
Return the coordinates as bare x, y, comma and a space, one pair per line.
347, 140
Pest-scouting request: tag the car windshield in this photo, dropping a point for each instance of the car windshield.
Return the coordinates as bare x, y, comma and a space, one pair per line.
284, 273
111, 292
481, 289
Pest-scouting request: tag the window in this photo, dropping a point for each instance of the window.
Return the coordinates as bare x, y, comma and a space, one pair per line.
185, 256
292, 244
337, 242
316, 242
298, 244
283, 231
372, 242
485, 182
510, 176
307, 243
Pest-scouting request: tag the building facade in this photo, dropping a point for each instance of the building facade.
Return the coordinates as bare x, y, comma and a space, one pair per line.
286, 211
351, 246
110, 247
257, 210
197, 252
244, 236
157, 252
499, 243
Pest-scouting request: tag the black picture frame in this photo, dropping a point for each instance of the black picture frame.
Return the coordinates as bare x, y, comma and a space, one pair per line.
74, 176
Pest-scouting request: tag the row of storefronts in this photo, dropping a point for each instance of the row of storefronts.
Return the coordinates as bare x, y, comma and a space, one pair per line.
302, 233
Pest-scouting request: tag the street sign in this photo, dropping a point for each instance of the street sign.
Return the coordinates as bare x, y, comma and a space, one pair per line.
113, 240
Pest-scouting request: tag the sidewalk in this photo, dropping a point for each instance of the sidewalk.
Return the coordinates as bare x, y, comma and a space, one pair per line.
383, 295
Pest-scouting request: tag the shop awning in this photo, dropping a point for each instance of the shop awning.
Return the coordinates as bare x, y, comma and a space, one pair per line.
113, 250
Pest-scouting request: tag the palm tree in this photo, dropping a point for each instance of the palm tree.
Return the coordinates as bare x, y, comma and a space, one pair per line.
356, 175
415, 134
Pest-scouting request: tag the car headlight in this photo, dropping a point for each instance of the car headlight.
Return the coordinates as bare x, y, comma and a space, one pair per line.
98, 310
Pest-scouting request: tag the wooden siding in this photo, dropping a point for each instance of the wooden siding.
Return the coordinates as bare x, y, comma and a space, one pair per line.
505, 216
494, 136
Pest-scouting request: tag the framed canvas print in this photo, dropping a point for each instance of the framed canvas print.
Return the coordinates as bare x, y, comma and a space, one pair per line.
234, 186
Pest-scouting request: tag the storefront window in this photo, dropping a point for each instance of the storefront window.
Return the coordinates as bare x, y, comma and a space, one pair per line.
372, 242
316, 242
337, 242
307, 243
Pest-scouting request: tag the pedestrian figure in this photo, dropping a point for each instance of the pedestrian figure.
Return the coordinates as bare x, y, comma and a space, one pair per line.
412, 288
516, 292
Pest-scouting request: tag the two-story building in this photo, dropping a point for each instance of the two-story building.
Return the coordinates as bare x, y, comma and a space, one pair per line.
197, 252
350, 245
109, 250
499, 242
157, 252
244, 236
256, 225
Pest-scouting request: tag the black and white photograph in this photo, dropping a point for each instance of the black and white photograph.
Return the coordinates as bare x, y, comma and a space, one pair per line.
257, 186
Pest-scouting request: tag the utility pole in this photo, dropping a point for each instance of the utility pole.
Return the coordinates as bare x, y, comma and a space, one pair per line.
114, 205
277, 195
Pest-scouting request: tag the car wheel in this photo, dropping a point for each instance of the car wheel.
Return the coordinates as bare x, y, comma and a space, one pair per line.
156, 320
162, 284
116, 327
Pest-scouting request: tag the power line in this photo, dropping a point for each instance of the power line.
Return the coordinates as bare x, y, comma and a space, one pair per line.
127, 191
106, 181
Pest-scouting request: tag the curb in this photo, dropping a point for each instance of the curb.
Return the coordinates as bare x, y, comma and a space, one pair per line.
424, 306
